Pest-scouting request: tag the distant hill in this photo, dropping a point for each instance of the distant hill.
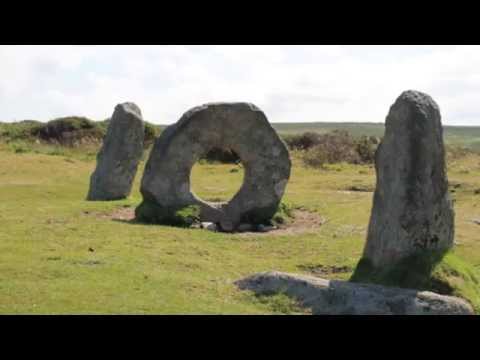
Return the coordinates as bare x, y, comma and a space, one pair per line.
466, 136
356, 129
66, 131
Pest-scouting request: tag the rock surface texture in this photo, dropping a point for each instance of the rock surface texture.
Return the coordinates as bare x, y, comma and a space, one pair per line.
333, 297
412, 211
119, 156
240, 127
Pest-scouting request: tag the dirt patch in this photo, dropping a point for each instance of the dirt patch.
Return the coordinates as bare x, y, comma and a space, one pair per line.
303, 222
322, 270
125, 213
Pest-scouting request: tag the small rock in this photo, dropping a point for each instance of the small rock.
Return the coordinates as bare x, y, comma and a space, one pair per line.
265, 228
261, 228
209, 226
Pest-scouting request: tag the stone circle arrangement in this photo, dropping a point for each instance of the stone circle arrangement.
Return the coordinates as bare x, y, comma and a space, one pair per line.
412, 211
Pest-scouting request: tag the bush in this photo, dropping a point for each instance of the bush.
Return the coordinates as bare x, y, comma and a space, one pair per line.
334, 147
339, 146
22, 130
303, 141
366, 148
70, 131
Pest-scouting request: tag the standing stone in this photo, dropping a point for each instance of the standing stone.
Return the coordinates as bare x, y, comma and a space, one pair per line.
240, 127
118, 158
412, 211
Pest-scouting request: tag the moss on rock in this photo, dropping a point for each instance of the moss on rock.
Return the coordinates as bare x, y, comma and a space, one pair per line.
152, 213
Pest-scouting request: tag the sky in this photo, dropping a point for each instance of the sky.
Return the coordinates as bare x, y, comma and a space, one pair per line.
289, 83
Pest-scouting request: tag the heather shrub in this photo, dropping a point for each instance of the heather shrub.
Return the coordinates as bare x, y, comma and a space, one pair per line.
303, 141
339, 146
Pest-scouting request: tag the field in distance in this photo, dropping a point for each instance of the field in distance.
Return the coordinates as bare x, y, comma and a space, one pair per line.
465, 136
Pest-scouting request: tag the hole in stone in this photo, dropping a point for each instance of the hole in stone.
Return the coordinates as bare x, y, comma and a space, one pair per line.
217, 176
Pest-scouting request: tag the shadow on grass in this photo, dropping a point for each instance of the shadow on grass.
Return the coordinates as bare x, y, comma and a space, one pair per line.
135, 221
130, 221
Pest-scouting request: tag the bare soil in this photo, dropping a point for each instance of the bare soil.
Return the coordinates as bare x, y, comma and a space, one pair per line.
303, 221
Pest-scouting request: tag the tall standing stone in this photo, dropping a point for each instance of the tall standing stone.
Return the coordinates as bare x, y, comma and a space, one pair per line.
412, 211
240, 127
119, 156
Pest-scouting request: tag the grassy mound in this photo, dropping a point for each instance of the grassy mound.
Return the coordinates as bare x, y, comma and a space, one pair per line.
63, 134
70, 130
443, 273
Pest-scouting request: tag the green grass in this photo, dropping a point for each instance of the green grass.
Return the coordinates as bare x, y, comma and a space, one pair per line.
49, 231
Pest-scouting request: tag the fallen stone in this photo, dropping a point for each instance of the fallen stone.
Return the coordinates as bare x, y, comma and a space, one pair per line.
412, 210
240, 127
119, 155
334, 297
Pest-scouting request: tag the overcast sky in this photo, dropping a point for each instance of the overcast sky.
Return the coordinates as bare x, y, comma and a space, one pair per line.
290, 83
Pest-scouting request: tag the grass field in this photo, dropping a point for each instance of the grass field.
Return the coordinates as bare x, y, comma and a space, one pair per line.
61, 254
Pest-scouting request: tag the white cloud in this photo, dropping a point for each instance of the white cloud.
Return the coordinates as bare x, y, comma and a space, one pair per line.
290, 83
